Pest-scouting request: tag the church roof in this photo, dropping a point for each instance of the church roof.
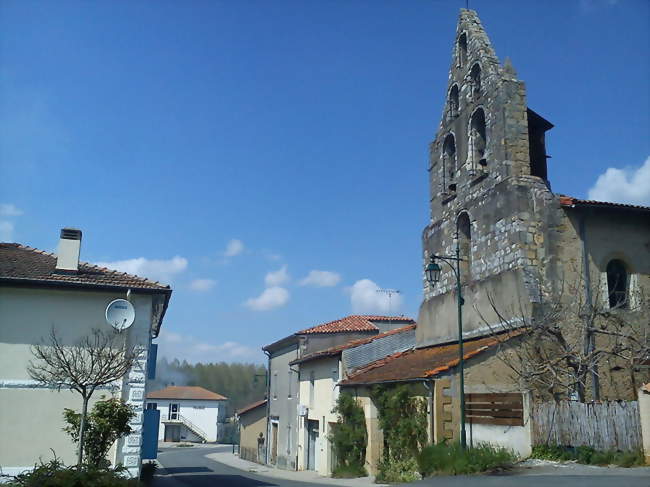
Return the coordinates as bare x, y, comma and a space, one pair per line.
570, 202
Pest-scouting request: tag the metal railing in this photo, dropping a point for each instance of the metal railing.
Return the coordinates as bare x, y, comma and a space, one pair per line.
178, 417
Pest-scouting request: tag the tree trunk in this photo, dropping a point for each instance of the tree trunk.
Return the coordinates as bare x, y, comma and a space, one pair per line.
82, 430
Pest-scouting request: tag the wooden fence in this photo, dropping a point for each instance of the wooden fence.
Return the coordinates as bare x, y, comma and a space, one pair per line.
611, 425
495, 408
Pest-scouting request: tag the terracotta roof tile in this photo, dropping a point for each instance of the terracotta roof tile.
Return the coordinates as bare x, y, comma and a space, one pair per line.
571, 202
328, 352
353, 323
22, 264
423, 363
186, 392
250, 407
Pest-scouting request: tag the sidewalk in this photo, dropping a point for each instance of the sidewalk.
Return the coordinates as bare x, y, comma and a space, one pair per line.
227, 458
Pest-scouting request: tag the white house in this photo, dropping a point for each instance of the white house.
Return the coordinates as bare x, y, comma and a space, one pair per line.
191, 414
40, 291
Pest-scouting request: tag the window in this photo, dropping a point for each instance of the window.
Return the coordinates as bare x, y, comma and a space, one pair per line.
275, 385
152, 405
449, 162
462, 50
617, 284
290, 374
475, 80
464, 235
477, 139
312, 380
454, 103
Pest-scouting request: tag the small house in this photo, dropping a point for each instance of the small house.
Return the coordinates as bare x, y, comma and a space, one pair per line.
192, 414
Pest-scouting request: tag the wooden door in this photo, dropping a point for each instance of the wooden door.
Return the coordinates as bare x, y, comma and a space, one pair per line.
312, 438
274, 443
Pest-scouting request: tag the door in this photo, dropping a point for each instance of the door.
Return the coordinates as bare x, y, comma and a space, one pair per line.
174, 410
173, 432
274, 443
312, 438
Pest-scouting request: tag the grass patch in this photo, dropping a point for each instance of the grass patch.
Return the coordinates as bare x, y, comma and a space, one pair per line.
588, 455
349, 472
451, 459
55, 474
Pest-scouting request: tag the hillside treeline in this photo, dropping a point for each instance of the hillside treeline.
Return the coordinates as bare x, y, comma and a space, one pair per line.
236, 381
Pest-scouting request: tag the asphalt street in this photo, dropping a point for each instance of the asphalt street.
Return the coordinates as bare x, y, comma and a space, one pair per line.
188, 467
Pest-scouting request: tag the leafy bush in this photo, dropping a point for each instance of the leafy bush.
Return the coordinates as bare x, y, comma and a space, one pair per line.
349, 438
403, 420
107, 421
55, 474
588, 455
451, 459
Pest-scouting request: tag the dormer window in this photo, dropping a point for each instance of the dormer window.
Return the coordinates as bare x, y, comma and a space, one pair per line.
462, 51
475, 80
453, 103
477, 140
449, 161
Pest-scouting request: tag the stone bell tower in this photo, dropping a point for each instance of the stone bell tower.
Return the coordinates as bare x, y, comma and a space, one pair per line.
488, 189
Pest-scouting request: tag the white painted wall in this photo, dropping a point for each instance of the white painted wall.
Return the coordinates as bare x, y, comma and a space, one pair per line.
207, 415
326, 371
31, 415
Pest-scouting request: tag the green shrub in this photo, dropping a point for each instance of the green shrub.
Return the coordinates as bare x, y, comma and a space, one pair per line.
55, 474
106, 422
588, 455
451, 459
349, 437
392, 470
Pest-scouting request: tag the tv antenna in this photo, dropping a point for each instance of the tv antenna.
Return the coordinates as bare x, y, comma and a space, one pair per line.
120, 314
390, 293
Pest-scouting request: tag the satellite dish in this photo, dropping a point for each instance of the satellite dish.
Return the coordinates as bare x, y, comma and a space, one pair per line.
120, 314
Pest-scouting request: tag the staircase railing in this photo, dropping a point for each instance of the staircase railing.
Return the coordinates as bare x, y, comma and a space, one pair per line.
193, 427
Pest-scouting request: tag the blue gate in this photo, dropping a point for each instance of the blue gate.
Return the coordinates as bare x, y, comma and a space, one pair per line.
150, 434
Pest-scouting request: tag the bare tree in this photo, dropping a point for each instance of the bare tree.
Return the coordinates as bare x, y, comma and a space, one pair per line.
569, 342
94, 361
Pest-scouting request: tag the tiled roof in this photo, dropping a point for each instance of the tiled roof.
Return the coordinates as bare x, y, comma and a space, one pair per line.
423, 363
353, 323
570, 202
329, 352
22, 264
186, 392
250, 407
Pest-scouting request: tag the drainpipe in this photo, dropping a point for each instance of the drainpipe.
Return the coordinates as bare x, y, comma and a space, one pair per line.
589, 336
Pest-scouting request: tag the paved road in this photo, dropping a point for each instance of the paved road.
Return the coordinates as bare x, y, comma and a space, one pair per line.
188, 467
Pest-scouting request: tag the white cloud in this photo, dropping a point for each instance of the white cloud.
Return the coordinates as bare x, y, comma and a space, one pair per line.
273, 297
157, 270
202, 285
6, 231
627, 185
185, 347
234, 247
8, 209
321, 279
275, 278
365, 299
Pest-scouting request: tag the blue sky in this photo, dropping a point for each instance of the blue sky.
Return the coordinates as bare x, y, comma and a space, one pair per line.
232, 148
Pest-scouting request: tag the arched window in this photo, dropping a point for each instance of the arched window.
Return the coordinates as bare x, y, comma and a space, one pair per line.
454, 104
449, 161
475, 79
464, 235
462, 50
477, 139
617, 284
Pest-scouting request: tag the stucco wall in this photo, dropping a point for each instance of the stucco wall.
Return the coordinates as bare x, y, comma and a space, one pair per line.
27, 316
251, 424
282, 406
326, 373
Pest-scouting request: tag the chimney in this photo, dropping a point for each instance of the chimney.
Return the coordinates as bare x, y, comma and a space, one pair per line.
68, 254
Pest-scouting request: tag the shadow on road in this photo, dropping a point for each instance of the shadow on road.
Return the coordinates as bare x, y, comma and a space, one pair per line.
177, 470
216, 480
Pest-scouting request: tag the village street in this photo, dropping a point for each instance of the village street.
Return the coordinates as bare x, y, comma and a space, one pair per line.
192, 467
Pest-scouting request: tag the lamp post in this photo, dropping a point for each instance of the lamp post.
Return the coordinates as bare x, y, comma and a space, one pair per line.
432, 272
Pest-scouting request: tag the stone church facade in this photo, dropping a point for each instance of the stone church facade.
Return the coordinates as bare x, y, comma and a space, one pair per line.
522, 245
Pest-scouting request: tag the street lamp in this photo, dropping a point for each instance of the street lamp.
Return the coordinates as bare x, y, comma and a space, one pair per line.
432, 272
